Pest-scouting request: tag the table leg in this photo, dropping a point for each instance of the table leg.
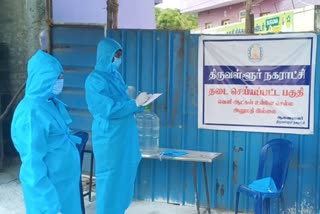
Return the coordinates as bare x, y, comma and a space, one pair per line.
207, 189
194, 175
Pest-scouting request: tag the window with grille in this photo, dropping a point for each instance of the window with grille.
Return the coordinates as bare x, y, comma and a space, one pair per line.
225, 22
242, 16
208, 25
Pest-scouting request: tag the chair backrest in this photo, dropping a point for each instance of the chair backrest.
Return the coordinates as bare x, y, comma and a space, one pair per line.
281, 151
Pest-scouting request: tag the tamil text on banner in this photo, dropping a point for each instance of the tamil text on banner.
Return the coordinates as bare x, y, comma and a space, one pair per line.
257, 83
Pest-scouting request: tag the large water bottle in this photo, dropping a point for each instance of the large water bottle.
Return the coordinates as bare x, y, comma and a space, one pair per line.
149, 127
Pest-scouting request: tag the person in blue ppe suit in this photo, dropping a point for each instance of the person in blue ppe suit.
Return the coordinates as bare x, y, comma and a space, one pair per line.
114, 130
50, 169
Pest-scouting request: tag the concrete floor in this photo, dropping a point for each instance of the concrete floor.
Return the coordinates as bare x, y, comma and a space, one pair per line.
11, 199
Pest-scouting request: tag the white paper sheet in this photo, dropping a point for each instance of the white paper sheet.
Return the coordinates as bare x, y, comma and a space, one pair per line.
152, 97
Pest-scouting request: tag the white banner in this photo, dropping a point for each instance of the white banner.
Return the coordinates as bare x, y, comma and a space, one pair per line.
257, 83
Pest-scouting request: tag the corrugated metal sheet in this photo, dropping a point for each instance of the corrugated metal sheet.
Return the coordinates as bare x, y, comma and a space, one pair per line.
166, 61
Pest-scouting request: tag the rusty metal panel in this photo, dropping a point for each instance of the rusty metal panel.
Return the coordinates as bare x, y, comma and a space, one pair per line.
167, 62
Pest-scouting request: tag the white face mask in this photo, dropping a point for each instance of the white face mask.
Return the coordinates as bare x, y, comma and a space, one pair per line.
58, 86
117, 62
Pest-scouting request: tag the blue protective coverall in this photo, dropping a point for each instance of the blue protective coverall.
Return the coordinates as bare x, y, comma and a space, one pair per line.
50, 170
114, 132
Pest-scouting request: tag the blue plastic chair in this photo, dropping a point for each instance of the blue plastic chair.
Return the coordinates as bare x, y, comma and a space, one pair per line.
281, 152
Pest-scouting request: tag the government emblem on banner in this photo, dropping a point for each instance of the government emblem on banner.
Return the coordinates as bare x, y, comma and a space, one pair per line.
255, 53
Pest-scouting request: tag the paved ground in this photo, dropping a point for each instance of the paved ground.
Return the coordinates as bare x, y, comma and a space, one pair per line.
11, 200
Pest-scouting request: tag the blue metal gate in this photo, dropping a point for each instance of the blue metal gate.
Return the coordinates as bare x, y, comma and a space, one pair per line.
167, 62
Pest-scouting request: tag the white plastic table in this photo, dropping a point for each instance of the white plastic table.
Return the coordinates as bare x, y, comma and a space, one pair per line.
191, 156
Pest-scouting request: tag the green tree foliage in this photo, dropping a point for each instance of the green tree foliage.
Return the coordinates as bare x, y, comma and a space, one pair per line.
172, 19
